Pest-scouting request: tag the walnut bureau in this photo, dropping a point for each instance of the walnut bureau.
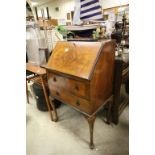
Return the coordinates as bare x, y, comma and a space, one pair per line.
80, 74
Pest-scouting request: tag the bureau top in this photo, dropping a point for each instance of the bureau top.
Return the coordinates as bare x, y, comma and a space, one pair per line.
75, 58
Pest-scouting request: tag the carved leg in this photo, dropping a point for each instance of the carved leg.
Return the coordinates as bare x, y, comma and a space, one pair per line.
91, 121
46, 98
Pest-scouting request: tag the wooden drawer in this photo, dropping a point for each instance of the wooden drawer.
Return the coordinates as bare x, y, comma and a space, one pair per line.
76, 87
68, 98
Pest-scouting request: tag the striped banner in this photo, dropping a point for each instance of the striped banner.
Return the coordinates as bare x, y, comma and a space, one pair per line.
90, 10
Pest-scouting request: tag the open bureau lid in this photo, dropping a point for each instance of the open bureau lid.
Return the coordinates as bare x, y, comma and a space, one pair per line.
75, 58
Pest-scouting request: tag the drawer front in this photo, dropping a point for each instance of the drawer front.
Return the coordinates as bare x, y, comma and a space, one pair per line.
76, 87
68, 98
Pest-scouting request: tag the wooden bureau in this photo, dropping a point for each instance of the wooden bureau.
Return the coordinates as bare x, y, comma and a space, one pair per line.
80, 74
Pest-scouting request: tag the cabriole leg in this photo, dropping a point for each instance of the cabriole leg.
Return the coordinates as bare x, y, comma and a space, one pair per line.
91, 120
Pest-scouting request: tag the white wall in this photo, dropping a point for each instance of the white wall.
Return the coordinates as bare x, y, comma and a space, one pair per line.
113, 3
66, 6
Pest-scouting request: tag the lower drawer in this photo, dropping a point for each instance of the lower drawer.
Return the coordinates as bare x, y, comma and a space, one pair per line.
68, 98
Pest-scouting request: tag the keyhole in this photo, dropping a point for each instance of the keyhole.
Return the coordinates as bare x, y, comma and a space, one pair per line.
54, 79
57, 93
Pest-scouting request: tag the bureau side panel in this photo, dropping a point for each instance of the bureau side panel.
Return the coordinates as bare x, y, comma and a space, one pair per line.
102, 79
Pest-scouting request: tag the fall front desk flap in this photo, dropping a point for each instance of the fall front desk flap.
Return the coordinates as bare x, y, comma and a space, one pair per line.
75, 58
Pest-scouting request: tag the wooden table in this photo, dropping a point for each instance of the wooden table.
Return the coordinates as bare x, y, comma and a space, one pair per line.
40, 78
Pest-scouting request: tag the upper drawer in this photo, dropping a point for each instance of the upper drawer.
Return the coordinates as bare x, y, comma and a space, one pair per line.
76, 87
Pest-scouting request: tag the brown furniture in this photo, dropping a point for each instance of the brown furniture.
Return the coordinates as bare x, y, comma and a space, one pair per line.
41, 79
80, 74
121, 76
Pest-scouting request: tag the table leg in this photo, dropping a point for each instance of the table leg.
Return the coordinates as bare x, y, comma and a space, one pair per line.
109, 112
54, 109
27, 95
91, 120
46, 97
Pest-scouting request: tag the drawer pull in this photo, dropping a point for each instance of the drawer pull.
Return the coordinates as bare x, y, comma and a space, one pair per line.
54, 79
76, 87
78, 103
57, 93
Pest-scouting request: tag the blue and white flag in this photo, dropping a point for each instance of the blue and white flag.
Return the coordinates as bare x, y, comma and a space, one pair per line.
90, 10
86, 10
76, 18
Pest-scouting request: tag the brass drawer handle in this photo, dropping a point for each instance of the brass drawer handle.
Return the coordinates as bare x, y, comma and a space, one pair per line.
78, 103
57, 93
54, 79
77, 87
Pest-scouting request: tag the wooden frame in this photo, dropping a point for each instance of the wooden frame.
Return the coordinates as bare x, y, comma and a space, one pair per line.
68, 16
115, 8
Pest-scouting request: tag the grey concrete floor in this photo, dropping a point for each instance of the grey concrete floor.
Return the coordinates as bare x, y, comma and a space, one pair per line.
70, 135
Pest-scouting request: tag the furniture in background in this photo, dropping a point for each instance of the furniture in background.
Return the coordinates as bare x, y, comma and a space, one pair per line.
117, 11
40, 78
121, 76
80, 74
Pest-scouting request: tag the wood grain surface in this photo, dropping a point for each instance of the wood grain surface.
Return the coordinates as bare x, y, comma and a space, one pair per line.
75, 58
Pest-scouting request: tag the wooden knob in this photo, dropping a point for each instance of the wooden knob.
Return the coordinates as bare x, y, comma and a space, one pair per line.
77, 103
57, 93
54, 79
